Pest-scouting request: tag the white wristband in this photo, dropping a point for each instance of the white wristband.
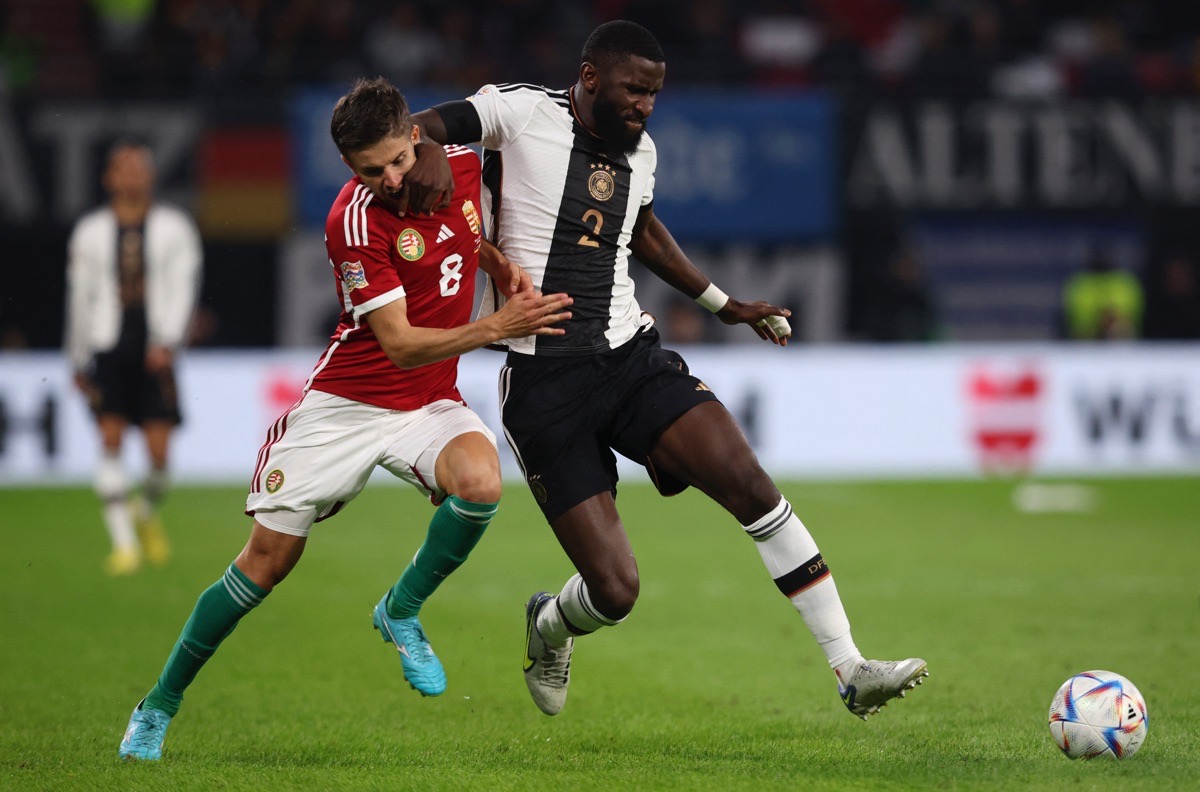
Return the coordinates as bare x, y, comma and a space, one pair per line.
713, 298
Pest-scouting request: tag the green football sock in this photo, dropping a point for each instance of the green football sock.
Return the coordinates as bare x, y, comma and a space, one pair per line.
216, 614
454, 530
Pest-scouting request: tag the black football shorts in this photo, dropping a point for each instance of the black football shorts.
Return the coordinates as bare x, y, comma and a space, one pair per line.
564, 416
122, 386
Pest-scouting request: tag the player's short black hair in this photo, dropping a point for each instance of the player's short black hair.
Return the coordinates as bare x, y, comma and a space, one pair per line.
615, 41
373, 110
128, 142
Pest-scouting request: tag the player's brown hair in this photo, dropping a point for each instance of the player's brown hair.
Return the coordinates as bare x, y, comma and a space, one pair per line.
371, 111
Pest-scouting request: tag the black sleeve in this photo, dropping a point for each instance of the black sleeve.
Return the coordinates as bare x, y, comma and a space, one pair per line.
462, 122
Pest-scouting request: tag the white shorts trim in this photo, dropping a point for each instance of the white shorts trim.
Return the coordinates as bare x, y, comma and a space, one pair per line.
321, 453
287, 522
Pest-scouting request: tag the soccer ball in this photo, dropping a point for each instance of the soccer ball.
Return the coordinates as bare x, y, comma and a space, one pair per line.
1098, 713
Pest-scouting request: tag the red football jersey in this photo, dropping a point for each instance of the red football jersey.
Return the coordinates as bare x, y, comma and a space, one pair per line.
379, 257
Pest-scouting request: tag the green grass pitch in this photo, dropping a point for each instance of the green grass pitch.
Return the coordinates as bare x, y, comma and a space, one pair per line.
712, 683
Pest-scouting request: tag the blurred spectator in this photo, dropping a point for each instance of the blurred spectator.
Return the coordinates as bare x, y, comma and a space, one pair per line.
123, 25
20, 57
123, 31
463, 61
841, 64
1023, 23
213, 44
902, 303
947, 67
401, 44
1102, 302
1173, 300
330, 43
957, 49
1109, 71
778, 45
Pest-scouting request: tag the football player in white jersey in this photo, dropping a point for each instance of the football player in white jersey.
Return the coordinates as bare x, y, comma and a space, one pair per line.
133, 277
570, 176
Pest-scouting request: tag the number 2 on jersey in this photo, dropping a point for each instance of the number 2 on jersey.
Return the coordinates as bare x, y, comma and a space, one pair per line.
589, 216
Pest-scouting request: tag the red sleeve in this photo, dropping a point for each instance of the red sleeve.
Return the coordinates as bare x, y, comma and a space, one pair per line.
359, 247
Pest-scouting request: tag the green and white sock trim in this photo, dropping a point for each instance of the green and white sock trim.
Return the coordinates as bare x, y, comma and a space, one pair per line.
478, 513
244, 592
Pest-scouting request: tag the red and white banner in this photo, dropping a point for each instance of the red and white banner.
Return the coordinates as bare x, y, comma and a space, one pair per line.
822, 411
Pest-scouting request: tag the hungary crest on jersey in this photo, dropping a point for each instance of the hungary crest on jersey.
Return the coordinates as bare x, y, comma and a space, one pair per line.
410, 245
469, 212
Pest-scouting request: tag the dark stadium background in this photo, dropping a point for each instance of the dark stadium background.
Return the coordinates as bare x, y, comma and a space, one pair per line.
220, 84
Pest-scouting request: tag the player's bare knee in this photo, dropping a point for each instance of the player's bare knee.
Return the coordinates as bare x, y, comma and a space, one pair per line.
478, 485
749, 496
614, 595
266, 567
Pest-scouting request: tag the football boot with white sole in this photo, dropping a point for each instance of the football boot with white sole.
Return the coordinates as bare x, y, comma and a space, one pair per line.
874, 683
547, 668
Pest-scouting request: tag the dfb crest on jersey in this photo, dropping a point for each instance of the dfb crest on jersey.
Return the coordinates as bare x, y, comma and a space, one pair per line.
600, 183
353, 275
471, 215
410, 244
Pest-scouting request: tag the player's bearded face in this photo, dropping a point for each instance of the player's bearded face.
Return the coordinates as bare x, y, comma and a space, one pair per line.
625, 101
621, 128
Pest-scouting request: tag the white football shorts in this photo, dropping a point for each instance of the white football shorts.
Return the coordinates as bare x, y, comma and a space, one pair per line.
320, 453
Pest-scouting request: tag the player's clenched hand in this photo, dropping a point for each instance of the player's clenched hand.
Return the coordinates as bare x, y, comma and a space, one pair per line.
769, 321
507, 276
429, 184
532, 313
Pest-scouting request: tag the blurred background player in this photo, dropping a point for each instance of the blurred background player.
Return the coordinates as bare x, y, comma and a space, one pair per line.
575, 176
133, 273
383, 394
1102, 302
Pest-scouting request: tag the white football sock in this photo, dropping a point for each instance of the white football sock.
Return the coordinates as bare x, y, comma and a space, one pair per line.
111, 486
154, 488
570, 613
795, 564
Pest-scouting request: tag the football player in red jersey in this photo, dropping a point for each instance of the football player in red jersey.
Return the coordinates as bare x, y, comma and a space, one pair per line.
383, 394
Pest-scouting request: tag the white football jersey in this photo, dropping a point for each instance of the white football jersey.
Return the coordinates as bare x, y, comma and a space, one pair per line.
564, 209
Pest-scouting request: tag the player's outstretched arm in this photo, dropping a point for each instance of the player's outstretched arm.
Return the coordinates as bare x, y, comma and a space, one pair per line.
654, 246
410, 346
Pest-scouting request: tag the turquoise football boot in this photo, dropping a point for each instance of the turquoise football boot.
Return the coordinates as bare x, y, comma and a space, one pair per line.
143, 739
422, 669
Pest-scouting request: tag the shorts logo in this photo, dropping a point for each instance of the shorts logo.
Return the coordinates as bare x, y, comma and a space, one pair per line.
538, 488
274, 481
353, 275
410, 244
600, 183
471, 215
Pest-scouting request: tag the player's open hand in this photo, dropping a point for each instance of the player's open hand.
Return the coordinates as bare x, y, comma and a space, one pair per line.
532, 313
429, 184
769, 321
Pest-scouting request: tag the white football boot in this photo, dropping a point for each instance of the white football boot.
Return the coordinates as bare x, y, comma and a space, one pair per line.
876, 682
547, 668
